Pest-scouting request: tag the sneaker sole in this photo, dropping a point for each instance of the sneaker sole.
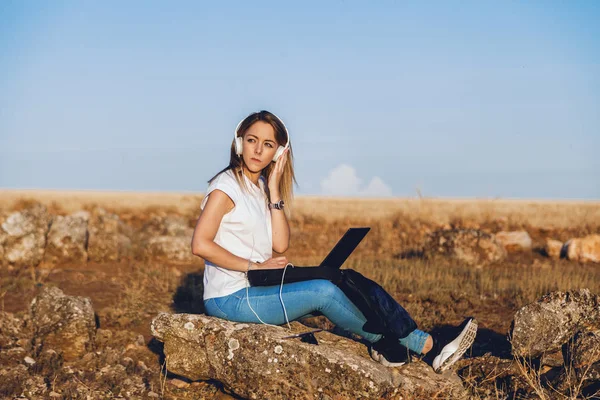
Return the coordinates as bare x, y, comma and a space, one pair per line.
383, 361
466, 342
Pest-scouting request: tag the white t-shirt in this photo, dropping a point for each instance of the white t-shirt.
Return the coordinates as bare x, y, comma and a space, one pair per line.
245, 231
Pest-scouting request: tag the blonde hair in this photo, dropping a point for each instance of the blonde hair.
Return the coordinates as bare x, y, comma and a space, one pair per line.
288, 178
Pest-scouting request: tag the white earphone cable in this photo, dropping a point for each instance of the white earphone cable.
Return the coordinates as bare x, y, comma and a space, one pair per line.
281, 297
280, 293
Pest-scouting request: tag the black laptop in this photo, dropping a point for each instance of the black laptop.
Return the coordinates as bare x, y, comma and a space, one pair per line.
328, 269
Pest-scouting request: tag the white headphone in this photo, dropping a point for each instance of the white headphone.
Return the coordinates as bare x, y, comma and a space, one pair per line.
238, 141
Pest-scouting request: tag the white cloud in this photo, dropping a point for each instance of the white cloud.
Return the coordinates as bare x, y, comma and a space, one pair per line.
343, 181
377, 188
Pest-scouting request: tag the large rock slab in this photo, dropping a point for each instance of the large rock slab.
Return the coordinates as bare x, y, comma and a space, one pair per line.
67, 239
109, 238
255, 362
470, 246
546, 324
23, 237
63, 323
585, 249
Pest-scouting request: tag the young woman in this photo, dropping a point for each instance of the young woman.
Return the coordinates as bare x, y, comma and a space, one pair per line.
244, 219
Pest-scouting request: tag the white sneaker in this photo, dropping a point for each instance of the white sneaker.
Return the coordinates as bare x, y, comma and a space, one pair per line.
454, 350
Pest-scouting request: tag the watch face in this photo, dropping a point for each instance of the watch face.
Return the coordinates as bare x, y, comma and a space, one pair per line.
278, 205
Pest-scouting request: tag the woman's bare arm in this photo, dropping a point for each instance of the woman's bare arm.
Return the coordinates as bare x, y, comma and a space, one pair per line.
279, 226
203, 245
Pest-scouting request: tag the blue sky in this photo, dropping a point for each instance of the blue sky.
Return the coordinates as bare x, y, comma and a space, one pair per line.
455, 99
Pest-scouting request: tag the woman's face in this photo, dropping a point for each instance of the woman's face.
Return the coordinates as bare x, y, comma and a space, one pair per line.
259, 146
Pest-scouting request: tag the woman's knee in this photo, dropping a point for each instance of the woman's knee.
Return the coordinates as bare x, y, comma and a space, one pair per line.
324, 288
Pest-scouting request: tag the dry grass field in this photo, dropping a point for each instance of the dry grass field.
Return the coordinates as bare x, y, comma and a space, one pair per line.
537, 213
438, 293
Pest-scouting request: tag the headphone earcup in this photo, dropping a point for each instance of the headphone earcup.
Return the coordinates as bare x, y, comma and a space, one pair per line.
278, 153
239, 145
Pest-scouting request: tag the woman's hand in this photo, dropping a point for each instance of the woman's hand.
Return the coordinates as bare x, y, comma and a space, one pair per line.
275, 176
271, 263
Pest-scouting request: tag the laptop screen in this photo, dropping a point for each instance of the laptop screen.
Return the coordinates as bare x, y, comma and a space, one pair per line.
344, 247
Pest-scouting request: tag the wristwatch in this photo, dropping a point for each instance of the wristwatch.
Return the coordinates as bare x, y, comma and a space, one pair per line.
278, 206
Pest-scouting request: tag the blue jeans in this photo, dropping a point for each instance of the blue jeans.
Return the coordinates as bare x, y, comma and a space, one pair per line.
301, 299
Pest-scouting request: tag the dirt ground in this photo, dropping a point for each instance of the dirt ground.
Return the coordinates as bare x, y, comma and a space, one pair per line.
439, 294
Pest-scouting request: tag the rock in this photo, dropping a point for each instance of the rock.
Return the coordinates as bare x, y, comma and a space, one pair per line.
170, 249
489, 375
10, 330
514, 241
584, 249
103, 336
23, 237
109, 238
63, 323
585, 381
586, 349
48, 363
121, 383
470, 246
82, 214
142, 366
553, 359
546, 324
140, 341
12, 380
67, 240
166, 225
34, 387
241, 355
178, 383
591, 373
553, 248
167, 238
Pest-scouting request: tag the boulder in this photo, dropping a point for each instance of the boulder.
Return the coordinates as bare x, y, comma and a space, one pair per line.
67, 239
109, 238
546, 324
255, 362
166, 225
23, 237
469, 246
586, 348
167, 238
584, 249
553, 248
63, 323
170, 249
514, 241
